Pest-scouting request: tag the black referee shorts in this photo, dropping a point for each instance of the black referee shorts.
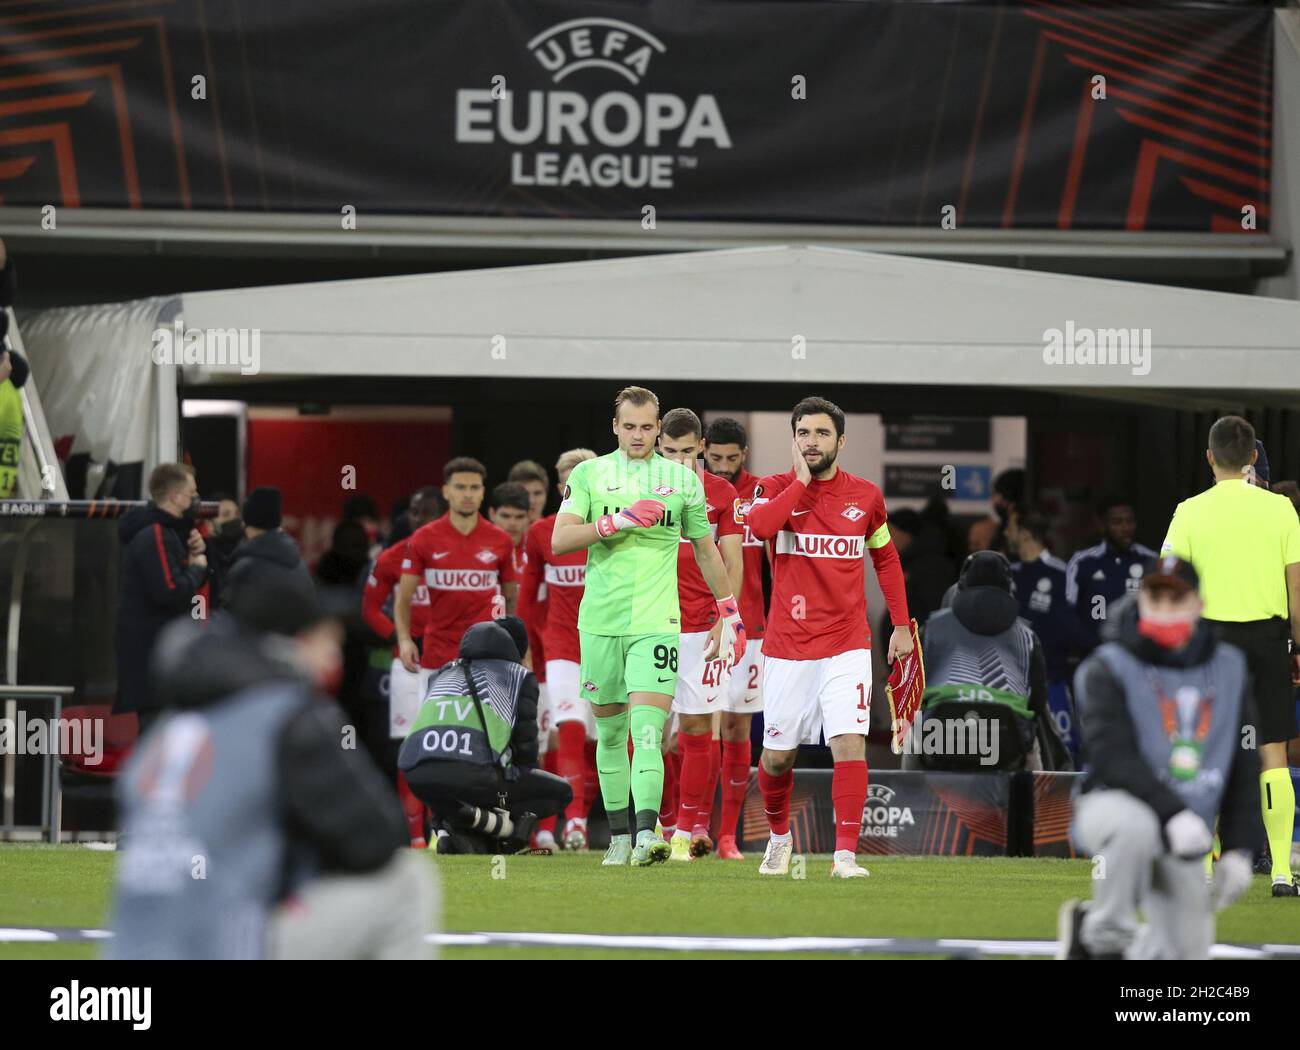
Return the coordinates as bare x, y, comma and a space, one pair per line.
1265, 643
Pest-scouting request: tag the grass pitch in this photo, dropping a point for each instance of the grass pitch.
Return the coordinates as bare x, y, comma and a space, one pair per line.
913, 897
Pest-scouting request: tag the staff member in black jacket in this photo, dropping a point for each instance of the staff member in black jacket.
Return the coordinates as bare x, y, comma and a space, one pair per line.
162, 568
267, 551
1164, 707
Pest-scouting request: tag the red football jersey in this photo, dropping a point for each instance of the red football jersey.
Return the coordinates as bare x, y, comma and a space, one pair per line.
820, 541
533, 612
381, 591
699, 607
561, 577
463, 574
751, 593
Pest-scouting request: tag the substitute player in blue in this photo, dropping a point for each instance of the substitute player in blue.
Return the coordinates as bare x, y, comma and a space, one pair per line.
1098, 577
1040, 589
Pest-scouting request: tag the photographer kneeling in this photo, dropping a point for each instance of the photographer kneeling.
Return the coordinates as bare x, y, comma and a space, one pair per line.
472, 754
985, 703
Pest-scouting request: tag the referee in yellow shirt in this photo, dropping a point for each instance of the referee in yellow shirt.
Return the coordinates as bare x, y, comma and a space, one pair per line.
1245, 543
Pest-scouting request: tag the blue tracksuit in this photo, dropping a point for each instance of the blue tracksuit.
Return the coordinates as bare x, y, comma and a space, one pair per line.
1040, 590
1103, 572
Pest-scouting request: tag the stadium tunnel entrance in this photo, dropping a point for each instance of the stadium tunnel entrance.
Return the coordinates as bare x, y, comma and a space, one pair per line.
1076, 448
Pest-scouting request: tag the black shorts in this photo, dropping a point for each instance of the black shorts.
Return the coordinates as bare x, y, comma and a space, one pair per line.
1268, 658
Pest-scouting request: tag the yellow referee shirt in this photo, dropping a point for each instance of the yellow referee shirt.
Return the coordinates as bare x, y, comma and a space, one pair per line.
1239, 538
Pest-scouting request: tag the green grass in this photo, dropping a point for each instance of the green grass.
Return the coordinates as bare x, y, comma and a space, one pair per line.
923, 897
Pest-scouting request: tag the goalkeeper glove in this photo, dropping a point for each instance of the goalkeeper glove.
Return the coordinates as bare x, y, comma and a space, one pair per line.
641, 515
731, 641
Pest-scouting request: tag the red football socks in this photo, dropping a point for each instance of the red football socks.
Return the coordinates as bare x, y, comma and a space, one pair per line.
849, 794
668, 808
412, 807
550, 763
704, 818
692, 778
573, 766
735, 779
776, 798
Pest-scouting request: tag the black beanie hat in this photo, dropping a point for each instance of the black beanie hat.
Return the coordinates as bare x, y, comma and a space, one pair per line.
262, 508
986, 569
517, 631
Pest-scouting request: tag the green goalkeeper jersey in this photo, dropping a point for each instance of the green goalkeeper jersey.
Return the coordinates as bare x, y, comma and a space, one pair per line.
631, 583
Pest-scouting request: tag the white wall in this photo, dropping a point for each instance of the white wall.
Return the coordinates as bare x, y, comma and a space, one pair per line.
864, 450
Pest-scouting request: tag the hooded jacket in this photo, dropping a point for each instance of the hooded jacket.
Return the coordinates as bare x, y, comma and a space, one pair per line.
492, 641
488, 652
246, 774
335, 804
1111, 743
989, 611
156, 585
271, 555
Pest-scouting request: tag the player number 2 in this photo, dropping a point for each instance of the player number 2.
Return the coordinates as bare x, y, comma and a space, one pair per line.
666, 656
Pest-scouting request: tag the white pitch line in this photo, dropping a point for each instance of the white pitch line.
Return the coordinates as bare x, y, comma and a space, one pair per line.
791, 945
11, 935
689, 943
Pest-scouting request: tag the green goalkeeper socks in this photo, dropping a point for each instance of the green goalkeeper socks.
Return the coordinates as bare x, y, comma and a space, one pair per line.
614, 769
647, 764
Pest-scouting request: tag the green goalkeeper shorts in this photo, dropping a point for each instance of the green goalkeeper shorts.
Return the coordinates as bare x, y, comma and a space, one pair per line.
615, 665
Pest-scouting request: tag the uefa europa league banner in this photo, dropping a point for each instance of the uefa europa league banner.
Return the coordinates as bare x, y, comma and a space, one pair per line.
906, 812
856, 113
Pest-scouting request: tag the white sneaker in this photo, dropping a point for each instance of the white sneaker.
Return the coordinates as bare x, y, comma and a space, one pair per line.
545, 840
846, 866
776, 858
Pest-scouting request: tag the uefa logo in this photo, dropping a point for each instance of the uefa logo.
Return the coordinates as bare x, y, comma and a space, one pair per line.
595, 43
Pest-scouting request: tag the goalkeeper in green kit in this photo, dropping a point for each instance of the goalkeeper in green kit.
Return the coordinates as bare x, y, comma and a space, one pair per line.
632, 508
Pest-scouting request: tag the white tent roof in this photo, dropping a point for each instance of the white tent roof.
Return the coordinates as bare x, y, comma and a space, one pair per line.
723, 315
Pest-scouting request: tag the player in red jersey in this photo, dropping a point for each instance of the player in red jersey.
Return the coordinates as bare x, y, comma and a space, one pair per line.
466, 562
817, 663
726, 445
377, 601
563, 712
701, 683
510, 509
533, 477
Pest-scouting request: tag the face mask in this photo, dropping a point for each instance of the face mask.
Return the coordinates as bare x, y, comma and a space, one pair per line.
1167, 633
329, 679
231, 530
188, 513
